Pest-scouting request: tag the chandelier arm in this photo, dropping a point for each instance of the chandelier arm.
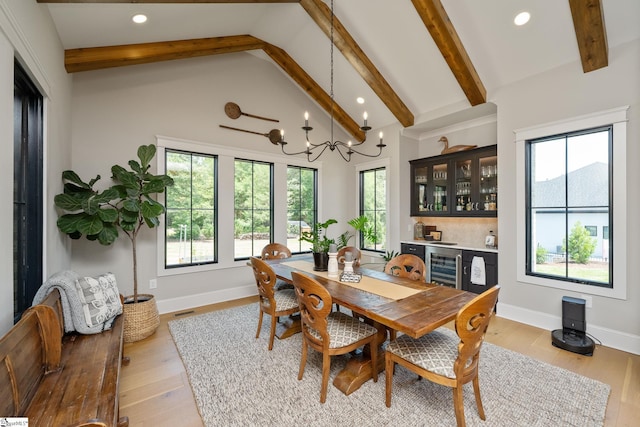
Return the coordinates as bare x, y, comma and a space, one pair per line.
370, 155
292, 154
312, 151
346, 159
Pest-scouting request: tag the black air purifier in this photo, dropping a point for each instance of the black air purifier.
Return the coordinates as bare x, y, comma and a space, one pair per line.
572, 336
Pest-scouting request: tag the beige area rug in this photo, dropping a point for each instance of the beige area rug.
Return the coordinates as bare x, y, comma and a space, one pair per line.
238, 382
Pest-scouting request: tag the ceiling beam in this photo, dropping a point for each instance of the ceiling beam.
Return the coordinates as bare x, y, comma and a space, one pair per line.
588, 22
444, 34
96, 58
321, 14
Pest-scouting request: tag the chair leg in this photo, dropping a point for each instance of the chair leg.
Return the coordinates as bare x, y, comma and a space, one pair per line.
374, 360
392, 334
458, 405
303, 359
272, 333
259, 325
476, 391
389, 366
326, 368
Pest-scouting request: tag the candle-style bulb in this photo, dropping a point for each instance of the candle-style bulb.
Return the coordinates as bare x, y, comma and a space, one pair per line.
306, 119
380, 137
365, 115
349, 143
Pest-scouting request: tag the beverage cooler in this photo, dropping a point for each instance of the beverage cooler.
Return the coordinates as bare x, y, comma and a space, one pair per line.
444, 266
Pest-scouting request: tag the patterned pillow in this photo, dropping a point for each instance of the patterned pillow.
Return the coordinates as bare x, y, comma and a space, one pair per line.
100, 298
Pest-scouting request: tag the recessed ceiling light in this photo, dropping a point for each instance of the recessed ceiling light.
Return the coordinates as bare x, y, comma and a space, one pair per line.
522, 18
360, 100
139, 18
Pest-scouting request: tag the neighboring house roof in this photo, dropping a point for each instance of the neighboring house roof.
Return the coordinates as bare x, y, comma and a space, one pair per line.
587, 186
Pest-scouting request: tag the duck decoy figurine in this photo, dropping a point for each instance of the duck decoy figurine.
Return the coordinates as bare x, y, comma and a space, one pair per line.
455, 148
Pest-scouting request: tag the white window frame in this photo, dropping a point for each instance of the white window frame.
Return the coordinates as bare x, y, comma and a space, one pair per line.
226, 193
376, 164
618, 118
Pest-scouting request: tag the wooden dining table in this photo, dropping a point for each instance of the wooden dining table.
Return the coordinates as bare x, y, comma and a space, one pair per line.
389, 302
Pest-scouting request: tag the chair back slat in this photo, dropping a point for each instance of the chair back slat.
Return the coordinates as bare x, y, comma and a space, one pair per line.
265, 278
315, 305
471, 325
275, 251
407, 265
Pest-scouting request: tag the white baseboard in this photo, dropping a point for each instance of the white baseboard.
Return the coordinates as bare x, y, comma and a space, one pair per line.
199, 300
609, 337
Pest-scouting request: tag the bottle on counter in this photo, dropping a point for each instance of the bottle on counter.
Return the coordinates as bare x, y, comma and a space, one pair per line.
490, 241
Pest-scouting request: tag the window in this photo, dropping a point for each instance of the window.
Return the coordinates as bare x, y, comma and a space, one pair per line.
373, 204
573, 173
302, 200
247, 199
569, 185
191, 203
592, 229
253, 213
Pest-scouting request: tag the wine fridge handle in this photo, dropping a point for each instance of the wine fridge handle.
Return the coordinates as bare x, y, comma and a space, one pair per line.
458, 269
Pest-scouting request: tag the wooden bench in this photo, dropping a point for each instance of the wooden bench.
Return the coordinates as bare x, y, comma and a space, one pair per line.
58, 380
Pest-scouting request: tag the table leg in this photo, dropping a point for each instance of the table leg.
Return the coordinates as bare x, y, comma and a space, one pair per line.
288, 326
359, 368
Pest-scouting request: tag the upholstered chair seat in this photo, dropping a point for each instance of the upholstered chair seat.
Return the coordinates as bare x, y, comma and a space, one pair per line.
345, 330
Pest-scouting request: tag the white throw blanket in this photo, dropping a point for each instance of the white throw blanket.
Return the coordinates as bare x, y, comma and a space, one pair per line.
478, 273
72, 306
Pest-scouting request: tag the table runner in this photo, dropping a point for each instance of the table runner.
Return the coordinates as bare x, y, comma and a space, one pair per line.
367, 284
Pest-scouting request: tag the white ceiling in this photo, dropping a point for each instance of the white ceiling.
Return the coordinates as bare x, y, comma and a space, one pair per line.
390, 33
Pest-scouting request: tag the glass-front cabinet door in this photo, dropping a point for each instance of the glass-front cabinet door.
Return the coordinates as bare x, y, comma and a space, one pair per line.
464, 170
430, 188
489, 182
437, 200
420, 179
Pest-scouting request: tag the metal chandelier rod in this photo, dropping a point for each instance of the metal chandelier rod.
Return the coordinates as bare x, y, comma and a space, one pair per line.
314, 151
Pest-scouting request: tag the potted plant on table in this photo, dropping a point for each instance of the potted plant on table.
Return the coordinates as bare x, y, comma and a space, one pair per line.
320, 243
126, 206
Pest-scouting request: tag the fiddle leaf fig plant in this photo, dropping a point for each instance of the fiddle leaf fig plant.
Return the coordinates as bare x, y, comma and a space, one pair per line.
126, 206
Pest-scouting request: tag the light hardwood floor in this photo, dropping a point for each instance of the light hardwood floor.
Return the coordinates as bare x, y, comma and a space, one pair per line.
155, 391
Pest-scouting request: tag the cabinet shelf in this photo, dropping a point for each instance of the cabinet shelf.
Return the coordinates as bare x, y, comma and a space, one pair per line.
456, 184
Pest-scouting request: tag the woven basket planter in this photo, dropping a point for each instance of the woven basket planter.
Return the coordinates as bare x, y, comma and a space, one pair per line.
141, 319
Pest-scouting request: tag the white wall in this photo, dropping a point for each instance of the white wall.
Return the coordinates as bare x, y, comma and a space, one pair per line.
560, 94
27, 33
116, 110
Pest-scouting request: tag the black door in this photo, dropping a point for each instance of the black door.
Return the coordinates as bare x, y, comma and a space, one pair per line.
27, 191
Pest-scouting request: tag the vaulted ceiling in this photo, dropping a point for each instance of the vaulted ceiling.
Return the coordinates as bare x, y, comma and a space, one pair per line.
412, 61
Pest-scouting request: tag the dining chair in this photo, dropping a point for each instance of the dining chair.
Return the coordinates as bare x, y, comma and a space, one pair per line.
277, 251
355, 255
445, 357
273, 302
407, 265
329, 332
